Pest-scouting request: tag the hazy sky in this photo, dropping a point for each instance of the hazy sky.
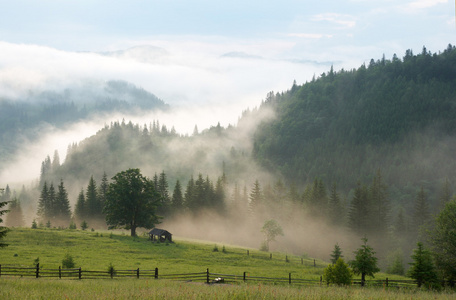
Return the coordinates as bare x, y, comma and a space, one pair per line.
229, 53
210, 59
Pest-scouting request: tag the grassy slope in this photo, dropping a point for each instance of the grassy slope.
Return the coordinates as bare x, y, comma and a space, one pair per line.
96, 250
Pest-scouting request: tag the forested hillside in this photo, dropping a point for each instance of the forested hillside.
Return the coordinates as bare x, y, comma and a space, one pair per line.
396, 115
26, 117
364, 152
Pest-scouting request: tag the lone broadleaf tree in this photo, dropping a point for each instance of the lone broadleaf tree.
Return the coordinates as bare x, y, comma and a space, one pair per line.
131, 201
270, 229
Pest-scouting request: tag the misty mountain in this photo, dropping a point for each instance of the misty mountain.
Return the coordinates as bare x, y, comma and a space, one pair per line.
395, 115
24, 119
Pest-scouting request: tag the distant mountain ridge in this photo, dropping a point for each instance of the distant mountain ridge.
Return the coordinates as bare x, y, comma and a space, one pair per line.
24, 117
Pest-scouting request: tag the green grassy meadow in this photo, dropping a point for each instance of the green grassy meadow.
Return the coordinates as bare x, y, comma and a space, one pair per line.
97, 250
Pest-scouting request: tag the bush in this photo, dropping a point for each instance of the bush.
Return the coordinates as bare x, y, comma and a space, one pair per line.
34, 225
215, 249
339, 273
68, 262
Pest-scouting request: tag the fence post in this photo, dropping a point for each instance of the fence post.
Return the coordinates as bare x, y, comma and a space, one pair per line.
37, 270
247, 252
60, 272
0, 270
289, 278
207, 275
244, 277
386, 281
137, 273
270, 256
111, 272
315, 263
321, 280
156, 273
80, 273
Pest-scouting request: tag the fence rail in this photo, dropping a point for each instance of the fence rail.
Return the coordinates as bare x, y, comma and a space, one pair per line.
79, 273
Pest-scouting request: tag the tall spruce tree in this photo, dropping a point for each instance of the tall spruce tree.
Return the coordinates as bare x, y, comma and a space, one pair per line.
62, 204
52, 197
44, 203
92, 200
80, 209
336, 254
177, 203
422, 267
190, 195
162, 189
102, 190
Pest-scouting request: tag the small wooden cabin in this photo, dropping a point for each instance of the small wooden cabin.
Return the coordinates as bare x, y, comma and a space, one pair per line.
160, 235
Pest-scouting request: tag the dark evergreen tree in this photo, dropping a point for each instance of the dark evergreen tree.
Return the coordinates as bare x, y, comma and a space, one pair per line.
62, 204
422, 268
52, 197
365, 262
190, 195
177, 200
44, 204
102, 190
80, 210
162, 188
336, 254
93, 205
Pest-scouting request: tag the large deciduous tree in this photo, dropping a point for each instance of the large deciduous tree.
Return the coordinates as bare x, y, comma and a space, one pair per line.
131, 201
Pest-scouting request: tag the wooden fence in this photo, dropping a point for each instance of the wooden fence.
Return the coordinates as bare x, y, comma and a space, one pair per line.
79, 273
